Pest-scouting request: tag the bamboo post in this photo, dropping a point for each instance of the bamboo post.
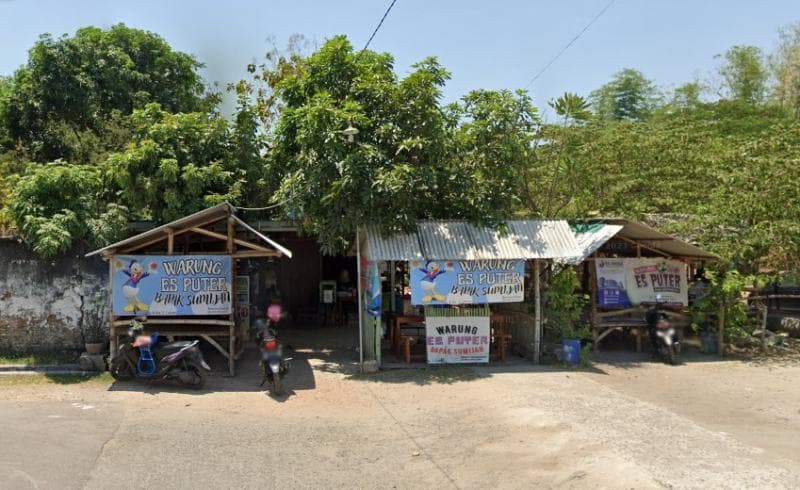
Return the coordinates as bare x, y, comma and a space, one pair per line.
537, 322
721, 329
112, 331
764, 314
593, 306
232, 316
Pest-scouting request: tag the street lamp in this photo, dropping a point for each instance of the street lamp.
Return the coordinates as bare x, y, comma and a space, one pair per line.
350, 132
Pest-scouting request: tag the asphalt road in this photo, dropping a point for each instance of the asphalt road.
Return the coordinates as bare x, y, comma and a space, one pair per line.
504, 427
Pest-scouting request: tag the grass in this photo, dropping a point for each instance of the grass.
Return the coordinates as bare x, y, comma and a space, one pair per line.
38, 359
11, 381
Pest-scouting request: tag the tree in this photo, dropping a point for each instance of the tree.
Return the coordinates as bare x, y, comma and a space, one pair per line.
786, 65
687, 96
411, 159
177, 164
61, 101
745, 74
628, 96
58, 205
572, 107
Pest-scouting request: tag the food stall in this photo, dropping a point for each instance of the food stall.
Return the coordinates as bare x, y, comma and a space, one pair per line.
182, 276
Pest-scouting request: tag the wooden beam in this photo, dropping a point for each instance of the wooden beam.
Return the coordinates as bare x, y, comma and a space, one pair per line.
143, 245
220, 236
638, 244
253, 254
216, 345
170, 241
179, 321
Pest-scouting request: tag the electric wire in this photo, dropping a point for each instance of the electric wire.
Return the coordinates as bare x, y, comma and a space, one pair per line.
379, 25
566, 47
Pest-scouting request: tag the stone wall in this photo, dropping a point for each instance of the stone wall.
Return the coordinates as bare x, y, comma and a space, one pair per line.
41, 300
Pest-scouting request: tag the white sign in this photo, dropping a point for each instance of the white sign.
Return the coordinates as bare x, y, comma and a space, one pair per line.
648, 278
457, 339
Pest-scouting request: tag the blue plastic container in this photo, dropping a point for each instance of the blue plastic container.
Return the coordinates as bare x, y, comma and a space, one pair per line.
571, 351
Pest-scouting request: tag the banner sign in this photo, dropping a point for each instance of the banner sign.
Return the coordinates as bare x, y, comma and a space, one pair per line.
463, 282
165, 285
625, 282
457, 339
611, 283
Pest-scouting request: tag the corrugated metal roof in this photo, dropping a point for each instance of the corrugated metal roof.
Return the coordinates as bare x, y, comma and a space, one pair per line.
590, 241
653, 239
449, 240
402, 246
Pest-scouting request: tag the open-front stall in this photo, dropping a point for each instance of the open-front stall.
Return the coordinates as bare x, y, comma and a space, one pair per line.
455, 273
181, 276
629, 267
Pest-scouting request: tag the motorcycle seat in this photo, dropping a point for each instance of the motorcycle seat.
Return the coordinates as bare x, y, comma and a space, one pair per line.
172, 346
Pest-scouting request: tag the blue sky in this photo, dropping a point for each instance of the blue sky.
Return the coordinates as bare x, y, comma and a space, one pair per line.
499, 44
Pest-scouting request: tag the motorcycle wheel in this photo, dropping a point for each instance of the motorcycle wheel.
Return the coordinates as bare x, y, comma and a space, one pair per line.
670, 355
277, 384
199, 376
120, 370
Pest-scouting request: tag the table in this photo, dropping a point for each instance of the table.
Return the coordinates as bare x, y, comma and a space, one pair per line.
402, 320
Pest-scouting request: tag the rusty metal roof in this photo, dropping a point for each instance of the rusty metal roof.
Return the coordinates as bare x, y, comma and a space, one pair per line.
453, 240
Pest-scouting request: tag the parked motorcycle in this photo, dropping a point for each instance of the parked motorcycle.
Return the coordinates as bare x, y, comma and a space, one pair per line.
145, 358
273, 365
663, 335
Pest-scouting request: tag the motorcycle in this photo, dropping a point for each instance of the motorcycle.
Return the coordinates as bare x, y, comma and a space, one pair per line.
662, 334
273, 365
144, 357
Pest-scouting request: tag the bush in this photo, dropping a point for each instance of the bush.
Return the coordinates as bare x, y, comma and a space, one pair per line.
564, 308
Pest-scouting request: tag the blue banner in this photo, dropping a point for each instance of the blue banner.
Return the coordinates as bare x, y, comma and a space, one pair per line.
446, 282
165, 285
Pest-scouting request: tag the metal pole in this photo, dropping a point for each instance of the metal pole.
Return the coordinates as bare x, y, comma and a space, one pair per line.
360, 308
537, 324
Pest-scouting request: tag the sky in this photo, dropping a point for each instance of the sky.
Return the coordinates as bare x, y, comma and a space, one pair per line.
491, 45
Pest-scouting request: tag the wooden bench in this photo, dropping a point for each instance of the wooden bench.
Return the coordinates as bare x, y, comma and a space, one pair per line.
632, 320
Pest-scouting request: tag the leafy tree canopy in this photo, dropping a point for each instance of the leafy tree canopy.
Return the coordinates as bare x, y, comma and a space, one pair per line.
411, 159
71, 86
628, 96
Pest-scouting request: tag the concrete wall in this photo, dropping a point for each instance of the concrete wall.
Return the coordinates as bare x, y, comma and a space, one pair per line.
41, 300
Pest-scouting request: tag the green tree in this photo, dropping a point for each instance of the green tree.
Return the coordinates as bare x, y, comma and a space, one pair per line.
60, 103
745, 74
177, 164
687, 96
786, 65
628, 96
58, 205
411, 159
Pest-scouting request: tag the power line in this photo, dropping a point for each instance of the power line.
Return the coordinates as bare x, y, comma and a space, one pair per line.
558, 55
379, 24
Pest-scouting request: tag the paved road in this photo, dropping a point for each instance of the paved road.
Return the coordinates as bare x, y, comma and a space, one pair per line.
505, 427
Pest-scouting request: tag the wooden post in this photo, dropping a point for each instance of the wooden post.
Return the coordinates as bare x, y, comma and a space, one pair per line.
638, 250
232, 327
360, 315
721, 329
112, 332
537, 305
764, 327
170, 241
593, 306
